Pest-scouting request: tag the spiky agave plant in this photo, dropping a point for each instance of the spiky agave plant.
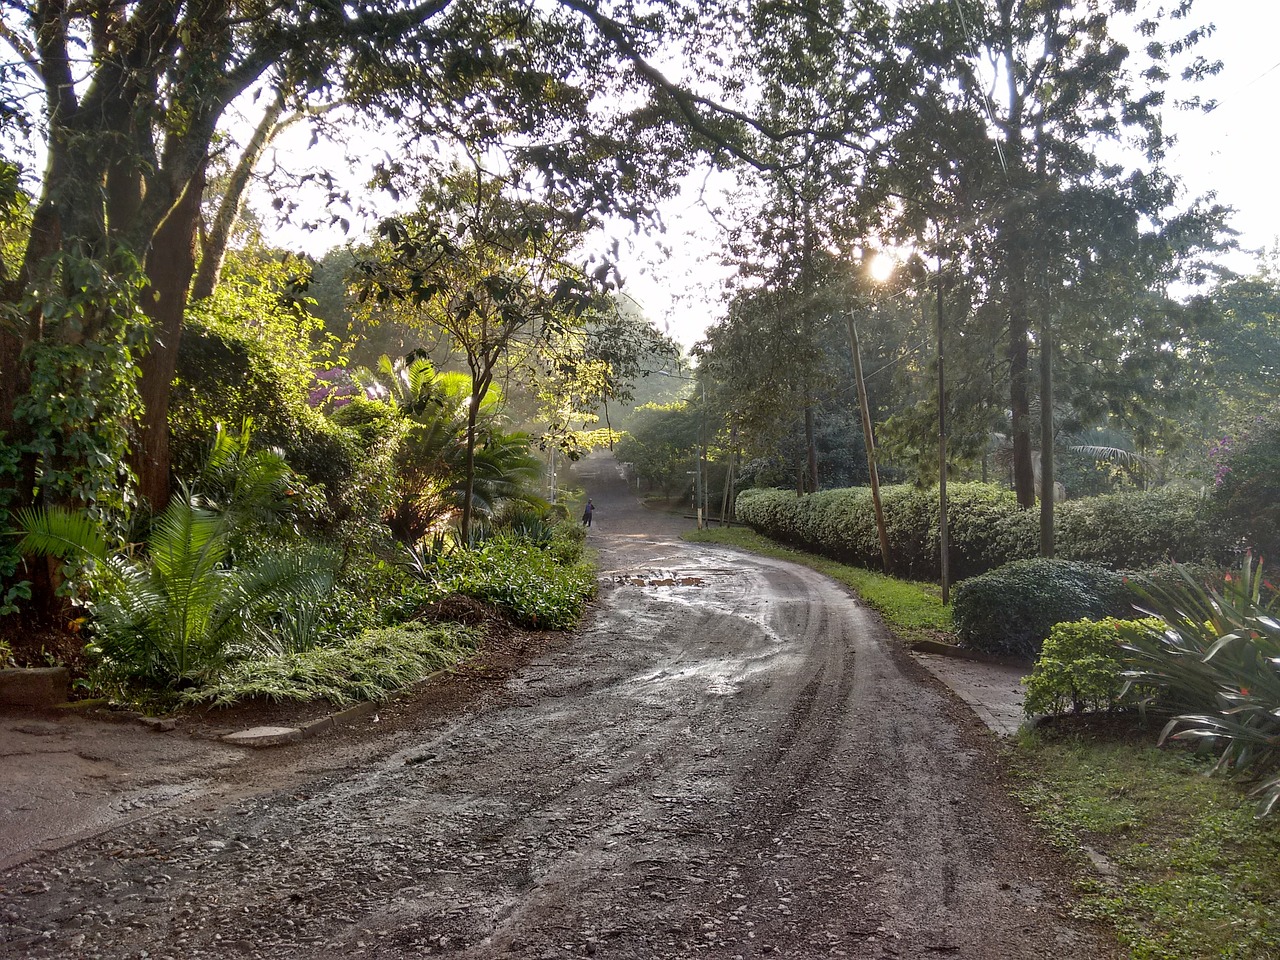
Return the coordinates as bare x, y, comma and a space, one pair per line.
1216, 659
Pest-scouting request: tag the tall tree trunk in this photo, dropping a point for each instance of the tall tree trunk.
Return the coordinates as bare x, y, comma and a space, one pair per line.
1024, 480
213, 245
479, 390
170, 264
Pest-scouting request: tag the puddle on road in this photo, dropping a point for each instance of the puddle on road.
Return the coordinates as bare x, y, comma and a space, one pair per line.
657, 578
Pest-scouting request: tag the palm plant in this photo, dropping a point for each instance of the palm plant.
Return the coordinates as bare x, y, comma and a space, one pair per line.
173, 614
431, 486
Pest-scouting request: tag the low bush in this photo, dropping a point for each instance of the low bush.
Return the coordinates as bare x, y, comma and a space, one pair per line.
841, 524
173, 614
528, 583
1081, 667
567, 542
1137, 529
371, 667
1010, 610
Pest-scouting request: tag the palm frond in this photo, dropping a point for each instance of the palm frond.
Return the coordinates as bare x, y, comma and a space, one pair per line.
62, 533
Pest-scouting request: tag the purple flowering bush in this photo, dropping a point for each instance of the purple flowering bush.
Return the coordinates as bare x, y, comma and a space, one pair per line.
1247, 483
334, 388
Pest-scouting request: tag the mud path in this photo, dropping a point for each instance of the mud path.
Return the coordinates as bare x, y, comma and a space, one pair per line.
729, 761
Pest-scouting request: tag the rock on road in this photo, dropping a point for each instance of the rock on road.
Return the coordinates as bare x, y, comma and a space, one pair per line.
730, 760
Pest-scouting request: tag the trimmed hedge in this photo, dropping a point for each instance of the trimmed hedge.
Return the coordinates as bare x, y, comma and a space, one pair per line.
1011, 610
841, 524
1137, 529
986, 527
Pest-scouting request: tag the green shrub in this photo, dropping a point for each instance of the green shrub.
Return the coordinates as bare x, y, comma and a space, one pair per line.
1010, 610
567, 542
841, 524
1082, 667
1136, 529
174, 614
1246, 495
226, 376
1168, 576
986, 527
370, 667
527, 582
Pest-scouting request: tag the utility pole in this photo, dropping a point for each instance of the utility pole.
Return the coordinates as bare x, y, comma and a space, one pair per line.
1046, 434
943, 544
867, 436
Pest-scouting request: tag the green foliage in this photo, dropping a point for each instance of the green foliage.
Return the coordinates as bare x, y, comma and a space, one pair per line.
227, 376
1137, 529
1246, 496
1171, 576
419, 431
10, 557
661, 444
567, 542
914, 611
1216, 660
985, 526
1010, 610
174, 614
1081, 667
528, 583
83, 399
841, 524
13, 595
370, 667
1196, 874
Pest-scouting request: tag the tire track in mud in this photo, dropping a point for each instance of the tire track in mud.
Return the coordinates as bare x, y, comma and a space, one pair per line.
737, 768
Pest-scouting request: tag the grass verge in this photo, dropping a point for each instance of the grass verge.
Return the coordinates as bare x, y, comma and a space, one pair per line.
1195, 875
914, 611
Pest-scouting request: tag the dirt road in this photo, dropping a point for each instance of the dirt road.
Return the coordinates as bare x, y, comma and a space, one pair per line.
730, 761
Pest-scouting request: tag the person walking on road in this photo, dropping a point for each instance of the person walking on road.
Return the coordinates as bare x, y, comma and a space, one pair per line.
586, 514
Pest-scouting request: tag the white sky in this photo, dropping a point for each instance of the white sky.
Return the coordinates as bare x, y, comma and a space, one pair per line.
677, 277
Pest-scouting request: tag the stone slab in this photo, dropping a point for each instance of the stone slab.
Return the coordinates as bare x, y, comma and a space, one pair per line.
264, 736
35, 686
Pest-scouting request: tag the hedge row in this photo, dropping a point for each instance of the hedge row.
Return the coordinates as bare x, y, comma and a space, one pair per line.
986, 528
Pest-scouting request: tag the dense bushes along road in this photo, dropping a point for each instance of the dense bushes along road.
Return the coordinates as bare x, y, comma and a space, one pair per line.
986, 527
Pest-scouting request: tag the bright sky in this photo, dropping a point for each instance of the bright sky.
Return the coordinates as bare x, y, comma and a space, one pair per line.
677, 277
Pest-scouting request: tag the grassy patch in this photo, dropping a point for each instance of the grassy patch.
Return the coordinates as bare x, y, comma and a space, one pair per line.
1197, 876
912, 610
370, 667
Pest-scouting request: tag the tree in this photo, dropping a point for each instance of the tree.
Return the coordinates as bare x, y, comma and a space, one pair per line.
431, 479
1047, 180
130, 128
490, 271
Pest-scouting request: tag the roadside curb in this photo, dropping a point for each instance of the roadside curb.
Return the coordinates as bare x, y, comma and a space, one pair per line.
260, 737
960, 653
